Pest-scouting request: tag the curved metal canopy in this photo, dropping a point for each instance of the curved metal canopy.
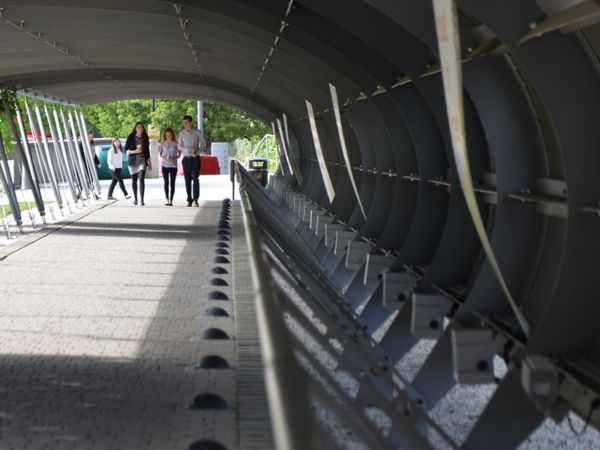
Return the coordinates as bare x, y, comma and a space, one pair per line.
268, 53
531, 109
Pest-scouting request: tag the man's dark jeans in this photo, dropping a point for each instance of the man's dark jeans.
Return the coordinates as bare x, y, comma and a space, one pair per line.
191, 172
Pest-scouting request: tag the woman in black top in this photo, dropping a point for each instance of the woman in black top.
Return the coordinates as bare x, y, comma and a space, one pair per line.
138, 151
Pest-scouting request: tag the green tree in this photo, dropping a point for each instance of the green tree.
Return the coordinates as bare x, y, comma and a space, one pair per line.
117, 119
221, 122
226, 124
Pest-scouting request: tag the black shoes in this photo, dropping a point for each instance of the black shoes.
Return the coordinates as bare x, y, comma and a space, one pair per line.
196, 204
135, 202
189, 204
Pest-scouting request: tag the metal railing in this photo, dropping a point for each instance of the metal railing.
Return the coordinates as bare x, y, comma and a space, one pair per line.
285, 382
267, 145
381, 386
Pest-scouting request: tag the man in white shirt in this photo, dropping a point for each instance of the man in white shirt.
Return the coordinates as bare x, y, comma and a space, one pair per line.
191, 144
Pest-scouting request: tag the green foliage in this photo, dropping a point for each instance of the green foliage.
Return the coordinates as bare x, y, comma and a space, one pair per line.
226, 124
244, 149
10, 96
221, 123
15, 100
5, 134
117, 119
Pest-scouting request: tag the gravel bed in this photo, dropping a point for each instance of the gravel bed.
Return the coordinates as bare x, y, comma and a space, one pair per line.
456, 413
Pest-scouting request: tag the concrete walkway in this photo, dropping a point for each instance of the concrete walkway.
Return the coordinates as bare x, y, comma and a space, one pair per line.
101, 334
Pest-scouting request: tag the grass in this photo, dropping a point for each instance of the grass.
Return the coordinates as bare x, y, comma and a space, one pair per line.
7, 210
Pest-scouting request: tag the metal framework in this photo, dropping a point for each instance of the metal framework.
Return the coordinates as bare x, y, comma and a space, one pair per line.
530, 72
50, 170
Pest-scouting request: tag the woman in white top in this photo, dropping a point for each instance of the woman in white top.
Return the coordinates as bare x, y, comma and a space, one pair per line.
169, 153
115, 164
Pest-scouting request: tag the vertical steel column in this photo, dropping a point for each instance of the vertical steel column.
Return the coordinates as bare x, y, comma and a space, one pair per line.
24, 161
41, 132
88, 149
76, 154
9, 186
59, 150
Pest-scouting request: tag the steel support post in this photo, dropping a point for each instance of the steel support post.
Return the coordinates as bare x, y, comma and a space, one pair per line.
59, 151
37, 156
46, 157
71, 136
9, 186
88, 150
25, 161
69, 157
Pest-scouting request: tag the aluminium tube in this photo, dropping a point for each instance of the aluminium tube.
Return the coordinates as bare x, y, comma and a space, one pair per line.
41, 133
81, 153
59, 151
9, 186
24, 161
38, 157
68, 158
285, 382
91, 151
87, 150
75, 154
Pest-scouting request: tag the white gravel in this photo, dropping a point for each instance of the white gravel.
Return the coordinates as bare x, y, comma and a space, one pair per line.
456, 413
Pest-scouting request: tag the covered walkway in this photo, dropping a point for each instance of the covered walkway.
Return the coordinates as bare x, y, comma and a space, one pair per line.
424, 261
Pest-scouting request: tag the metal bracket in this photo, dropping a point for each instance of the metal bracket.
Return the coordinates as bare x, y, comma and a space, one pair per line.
397, 289
342, 238
306, 210
428, 313
322, 222
540, 379
374, 266
314, 215
330, 233
567, 16
473, 351
550, 197
356, 253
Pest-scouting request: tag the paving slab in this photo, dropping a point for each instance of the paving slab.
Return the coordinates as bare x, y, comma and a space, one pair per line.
102, 330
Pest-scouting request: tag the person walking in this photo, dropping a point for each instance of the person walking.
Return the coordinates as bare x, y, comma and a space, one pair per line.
170, 154
191, 143
138, 151
115, 164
